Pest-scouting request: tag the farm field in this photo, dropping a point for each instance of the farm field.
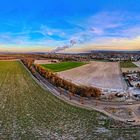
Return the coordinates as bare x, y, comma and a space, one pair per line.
29, 112
130, 66
96, 74
62, 66
137, 63
127, 64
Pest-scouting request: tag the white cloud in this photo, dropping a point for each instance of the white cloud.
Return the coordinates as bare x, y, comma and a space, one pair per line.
45, 30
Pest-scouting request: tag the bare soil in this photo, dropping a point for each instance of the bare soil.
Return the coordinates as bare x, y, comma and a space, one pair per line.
96, 74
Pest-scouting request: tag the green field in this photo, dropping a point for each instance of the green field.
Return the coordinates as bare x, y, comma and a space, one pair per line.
127, 64
27, 112
57, 67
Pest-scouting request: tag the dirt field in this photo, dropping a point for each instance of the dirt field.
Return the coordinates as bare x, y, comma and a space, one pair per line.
96, 74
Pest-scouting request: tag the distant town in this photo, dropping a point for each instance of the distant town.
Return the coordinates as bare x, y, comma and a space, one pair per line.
93, 55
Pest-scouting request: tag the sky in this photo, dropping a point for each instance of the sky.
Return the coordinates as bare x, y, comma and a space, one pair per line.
69, 26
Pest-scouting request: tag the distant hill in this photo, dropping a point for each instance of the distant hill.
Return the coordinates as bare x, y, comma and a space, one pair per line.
112, 51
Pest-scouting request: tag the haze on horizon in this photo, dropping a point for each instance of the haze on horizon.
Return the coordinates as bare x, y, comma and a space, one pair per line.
69, 26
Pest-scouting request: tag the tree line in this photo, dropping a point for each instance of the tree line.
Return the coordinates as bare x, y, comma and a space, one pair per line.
53, 78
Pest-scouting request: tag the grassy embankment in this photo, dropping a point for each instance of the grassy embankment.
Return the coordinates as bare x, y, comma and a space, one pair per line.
57, 67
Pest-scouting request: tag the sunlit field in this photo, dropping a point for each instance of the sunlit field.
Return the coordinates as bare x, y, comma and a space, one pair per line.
57, 67
29, 112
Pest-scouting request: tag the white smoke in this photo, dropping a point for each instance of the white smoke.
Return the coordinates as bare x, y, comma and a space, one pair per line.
71, 43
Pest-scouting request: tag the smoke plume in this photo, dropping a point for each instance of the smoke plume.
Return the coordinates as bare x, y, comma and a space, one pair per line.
71, 43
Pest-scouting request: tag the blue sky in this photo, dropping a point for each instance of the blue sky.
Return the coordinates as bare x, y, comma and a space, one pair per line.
69, 25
